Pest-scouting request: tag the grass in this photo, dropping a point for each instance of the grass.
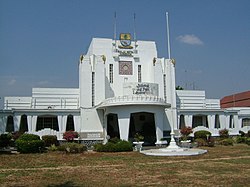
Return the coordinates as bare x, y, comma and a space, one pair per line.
221, 166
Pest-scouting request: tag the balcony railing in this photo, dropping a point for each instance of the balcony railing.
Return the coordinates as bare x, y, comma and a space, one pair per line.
134, 99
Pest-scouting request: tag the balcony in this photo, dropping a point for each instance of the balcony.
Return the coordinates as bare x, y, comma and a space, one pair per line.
134, 100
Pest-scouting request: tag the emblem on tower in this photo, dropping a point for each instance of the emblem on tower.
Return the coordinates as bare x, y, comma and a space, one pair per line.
125, 40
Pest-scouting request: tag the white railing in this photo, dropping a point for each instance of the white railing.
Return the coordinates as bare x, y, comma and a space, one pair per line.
139, 99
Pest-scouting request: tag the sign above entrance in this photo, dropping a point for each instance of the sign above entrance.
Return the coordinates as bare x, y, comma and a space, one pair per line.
144, 88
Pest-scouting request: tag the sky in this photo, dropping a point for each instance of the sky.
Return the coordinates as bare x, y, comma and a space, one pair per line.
41, 40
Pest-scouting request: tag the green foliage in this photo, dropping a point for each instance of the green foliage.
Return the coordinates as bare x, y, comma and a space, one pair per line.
5, 140
30, 146
202, 134
29, 143
227, 141
201, 142
71, 147
114, 140
240, 139
224, 133
50, 140
138, 137
52, 147
29, 137
248, 141
120, 146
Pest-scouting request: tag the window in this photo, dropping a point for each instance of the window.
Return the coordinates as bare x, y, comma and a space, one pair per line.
111, 73
93, 88
165, 87
139, 73
245, 122
49, 121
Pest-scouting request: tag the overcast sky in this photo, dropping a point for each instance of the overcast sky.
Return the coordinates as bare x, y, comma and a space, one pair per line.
41, 40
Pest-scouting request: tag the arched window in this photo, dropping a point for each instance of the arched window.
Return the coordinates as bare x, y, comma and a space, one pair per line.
47, 121
70, 123
23, 124
10, 124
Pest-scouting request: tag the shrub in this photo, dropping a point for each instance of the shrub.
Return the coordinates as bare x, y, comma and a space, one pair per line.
248, 134
240, 139
29, 137
31, 146
71, 147
70, 135
202, 134
248, 141
185, 131
52, 147
227, 141
138, 137
29, 143
224, 133
201, 142
242, 134
50, 140
210, 142
5, 140
114, 140
120, 146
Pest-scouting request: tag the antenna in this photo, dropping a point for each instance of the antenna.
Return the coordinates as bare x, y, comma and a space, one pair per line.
134, 29
169, 56
115, 27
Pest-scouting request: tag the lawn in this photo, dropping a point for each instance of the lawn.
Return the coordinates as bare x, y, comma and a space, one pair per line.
221, 166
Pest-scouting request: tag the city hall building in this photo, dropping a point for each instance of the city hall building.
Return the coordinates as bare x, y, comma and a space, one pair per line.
124, 88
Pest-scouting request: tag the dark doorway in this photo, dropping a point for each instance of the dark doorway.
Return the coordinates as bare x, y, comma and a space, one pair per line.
112, 126
23, 124
70, 123
10, 124
182, 122
144, 124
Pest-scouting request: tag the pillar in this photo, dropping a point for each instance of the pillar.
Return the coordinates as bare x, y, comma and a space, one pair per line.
123, 122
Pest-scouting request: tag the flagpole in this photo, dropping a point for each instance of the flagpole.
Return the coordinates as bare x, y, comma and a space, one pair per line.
168, 39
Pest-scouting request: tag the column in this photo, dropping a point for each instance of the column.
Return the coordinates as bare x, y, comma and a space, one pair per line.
17, 120
158, 125
123, 122
188, 120
33, 123
211, 121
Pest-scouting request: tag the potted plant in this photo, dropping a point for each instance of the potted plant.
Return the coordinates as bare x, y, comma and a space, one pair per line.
185, 132
138, 141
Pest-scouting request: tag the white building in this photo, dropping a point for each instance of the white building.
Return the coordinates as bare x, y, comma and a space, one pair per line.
124, 88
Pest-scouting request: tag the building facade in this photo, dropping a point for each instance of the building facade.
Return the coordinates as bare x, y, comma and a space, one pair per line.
124, 88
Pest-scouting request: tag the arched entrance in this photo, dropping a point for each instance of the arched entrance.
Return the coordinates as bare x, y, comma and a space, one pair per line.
112, 126
70, 126
23, 124
10, 124
143, 123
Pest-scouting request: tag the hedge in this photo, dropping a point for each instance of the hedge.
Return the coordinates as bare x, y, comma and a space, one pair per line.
29, 143
50, 140
120, 146
202, 134
71, 147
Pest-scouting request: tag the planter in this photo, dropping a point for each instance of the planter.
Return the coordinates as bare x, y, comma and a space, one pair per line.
161, 143
138, 146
